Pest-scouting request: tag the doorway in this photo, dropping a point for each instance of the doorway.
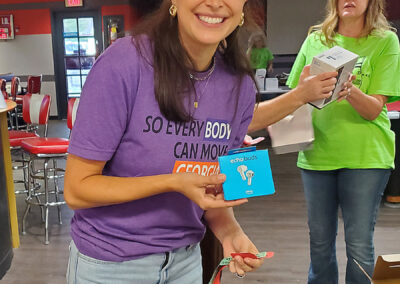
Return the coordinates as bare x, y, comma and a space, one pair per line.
77, 42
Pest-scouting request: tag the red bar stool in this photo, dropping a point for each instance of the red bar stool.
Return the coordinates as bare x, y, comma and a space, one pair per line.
36, 109
34, 84
73, 104
47, 149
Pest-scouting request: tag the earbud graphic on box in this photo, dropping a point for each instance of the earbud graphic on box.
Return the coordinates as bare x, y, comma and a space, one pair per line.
242, 169
249, 175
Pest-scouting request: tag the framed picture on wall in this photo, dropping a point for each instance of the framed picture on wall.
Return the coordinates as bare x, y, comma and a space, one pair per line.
6, 27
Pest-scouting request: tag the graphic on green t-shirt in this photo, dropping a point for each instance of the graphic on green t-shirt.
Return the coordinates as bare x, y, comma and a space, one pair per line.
343, 138
357, 71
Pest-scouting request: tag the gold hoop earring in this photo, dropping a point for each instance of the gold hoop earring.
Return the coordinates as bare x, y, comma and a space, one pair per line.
172, 10
241, 20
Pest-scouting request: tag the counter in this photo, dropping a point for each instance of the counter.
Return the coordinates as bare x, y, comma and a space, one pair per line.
9, 235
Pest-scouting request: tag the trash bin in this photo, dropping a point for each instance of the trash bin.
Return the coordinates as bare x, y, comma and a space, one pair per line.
392, 191
6, 251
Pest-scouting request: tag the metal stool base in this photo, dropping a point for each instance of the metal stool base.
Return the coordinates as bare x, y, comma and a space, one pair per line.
33, 198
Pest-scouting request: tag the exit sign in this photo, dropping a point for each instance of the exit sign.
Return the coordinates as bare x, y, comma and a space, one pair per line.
73, 3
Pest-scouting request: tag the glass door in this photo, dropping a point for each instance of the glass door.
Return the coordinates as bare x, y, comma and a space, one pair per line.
79, 52
77, 42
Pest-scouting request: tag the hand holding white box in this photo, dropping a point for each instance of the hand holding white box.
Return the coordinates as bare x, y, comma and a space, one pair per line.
335, 59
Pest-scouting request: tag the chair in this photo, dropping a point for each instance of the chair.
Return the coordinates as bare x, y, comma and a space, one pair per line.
72, 108
35, 112
36, 109
34, 84
18, 99
15, 81
47, 149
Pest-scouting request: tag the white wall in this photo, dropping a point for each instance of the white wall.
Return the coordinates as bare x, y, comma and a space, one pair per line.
30, 55
288, 22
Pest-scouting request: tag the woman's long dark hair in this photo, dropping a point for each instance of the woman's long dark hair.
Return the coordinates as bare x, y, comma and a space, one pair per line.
171, 71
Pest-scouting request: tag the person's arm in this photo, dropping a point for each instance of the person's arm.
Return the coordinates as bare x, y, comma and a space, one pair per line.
85, 186
310, 88
227, 230
270, 60
384, 82
368, 106
270, 68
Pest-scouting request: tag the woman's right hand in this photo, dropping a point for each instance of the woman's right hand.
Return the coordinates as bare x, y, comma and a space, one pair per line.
85, 186
315, 87
197, 188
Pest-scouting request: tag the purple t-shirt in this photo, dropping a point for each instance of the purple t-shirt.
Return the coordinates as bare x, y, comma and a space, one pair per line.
119, 121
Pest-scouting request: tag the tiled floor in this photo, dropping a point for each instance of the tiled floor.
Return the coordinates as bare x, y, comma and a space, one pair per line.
275, 223
33, 261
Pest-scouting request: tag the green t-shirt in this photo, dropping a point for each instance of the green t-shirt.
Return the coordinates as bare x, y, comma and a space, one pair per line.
344, 139
260, 57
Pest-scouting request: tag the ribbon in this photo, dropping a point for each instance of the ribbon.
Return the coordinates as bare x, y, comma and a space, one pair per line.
216, 277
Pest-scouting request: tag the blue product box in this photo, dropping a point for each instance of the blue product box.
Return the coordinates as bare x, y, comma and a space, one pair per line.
248, 173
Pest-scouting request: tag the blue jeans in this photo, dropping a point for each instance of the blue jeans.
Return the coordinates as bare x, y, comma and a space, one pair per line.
358, 192
175, 267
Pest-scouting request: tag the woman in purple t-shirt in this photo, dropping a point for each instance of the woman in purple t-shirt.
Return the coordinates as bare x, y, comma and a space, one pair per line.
156, 111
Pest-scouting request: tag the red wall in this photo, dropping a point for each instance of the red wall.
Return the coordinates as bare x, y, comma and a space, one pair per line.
38, 21
31, 22
130, 15
27, 1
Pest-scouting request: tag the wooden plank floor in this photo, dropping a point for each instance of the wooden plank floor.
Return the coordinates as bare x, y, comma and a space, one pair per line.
275, 223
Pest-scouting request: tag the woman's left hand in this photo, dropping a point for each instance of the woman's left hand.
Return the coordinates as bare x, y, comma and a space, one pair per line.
347, 89
239, 242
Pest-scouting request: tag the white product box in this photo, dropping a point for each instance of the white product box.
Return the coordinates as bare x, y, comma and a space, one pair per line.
260, 78
335, 59
271, 84
248, 173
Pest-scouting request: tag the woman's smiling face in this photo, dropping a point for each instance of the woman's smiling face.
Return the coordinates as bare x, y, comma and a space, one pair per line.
207, 22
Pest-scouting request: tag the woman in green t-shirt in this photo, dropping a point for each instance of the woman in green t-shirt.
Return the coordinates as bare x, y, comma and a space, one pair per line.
353, 151
260, 56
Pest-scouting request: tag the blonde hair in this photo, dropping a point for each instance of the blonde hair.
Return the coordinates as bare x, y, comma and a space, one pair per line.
258, 35
375, 21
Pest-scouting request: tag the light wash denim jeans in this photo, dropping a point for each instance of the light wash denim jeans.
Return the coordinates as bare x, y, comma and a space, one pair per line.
176, 267
358, 192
